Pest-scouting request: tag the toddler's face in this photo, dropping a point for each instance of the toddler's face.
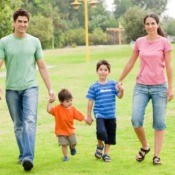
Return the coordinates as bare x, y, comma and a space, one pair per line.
67, 103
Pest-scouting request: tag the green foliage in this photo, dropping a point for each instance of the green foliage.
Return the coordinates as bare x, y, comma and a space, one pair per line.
156, 6
76, 36
169, 26
6, 10
134, 26
121, 7
97, 37
42, 28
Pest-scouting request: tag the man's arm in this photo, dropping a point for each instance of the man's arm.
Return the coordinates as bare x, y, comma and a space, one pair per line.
45, 76
1, 62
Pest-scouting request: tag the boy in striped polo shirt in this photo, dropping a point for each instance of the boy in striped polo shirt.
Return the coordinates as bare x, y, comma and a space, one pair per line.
102, 99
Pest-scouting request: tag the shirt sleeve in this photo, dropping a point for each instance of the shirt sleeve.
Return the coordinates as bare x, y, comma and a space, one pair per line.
78, 115
91, 93
39, 51
168, 46
52, 111
136, 49
2, 50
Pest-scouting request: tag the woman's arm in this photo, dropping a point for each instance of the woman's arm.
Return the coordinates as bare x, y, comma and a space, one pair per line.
128, 66
169, 73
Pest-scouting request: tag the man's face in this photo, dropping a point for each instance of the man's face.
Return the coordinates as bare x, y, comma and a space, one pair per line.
20, 25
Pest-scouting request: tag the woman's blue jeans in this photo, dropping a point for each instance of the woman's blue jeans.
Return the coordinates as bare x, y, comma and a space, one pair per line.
141, 96
22, 106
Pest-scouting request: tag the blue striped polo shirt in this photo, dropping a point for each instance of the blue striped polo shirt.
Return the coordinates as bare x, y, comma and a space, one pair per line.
104, 97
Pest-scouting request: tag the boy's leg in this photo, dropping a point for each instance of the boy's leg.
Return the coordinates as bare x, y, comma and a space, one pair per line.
64, 150
110, 125
106, 149
63, 141
72, 143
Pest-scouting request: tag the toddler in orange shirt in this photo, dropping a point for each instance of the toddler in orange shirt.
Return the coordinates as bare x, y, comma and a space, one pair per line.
64, 114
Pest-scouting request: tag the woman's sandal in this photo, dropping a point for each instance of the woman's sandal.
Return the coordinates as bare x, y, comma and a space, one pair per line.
142, 153
156, 160
98, 152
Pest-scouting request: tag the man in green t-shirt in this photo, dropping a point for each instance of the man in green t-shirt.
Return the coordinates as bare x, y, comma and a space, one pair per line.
21, 52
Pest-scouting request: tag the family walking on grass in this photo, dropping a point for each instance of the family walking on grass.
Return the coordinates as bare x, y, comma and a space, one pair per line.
21, 52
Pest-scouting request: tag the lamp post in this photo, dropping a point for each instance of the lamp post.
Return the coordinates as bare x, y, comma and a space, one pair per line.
76, 6
120, 29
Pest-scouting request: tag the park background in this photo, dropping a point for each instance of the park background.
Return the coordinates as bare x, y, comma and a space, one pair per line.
68, 68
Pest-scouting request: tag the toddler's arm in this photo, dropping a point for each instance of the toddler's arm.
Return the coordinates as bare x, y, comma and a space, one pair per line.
49, 106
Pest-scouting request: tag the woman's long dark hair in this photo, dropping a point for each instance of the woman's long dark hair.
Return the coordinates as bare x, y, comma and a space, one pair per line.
159, 30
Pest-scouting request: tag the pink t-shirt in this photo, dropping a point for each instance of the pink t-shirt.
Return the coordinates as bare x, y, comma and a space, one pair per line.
152, 60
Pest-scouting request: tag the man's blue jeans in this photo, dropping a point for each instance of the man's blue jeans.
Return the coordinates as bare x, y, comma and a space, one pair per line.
22, 106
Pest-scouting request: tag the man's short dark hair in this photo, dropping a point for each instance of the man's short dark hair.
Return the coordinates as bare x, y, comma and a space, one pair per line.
21, 12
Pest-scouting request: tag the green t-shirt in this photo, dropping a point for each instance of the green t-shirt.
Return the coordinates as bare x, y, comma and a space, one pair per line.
20, 55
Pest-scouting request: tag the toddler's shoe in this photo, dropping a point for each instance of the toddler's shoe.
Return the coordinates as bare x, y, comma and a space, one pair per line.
65, 159
73, 151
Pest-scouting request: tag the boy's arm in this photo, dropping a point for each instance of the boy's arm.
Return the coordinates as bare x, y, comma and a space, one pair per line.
89, 110
121, 92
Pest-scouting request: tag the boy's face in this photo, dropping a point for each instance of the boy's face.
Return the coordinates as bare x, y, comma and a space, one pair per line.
67, 103
103, 72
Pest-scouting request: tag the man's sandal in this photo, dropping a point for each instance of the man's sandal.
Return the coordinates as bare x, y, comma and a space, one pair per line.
98, 152
156, 160
142, 153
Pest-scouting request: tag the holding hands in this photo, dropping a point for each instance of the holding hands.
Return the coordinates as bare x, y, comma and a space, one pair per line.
88, 120
119, 86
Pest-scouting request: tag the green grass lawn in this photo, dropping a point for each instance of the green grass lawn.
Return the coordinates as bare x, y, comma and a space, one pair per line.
68, 69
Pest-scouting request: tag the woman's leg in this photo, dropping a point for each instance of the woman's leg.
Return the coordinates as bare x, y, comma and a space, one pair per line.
158, 141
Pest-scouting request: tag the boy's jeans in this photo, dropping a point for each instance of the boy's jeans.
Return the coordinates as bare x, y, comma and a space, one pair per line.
22, 106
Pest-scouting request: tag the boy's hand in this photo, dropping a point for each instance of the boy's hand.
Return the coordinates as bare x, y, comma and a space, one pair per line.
119, 87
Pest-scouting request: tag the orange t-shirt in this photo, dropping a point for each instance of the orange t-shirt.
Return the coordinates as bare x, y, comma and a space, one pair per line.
64, 119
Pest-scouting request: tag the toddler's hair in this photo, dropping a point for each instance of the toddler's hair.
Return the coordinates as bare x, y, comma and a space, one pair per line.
64, 94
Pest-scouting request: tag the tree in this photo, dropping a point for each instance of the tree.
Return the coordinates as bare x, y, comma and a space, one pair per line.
7, 8
121, 7
37, 24
157, 6
169, 26
134, 26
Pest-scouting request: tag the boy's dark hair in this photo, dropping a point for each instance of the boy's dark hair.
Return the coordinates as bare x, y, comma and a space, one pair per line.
103, 62
64, 94
21, 12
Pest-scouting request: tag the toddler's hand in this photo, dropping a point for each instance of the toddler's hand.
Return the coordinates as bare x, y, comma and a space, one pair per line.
88, 120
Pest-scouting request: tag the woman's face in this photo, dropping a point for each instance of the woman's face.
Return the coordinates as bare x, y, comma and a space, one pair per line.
151, 26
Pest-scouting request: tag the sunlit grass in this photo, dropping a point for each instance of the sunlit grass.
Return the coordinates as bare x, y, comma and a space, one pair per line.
70, 70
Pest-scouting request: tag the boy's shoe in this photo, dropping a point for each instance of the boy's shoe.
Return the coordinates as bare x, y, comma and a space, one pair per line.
27, 164
98, 152
73, 151
106, 158
65, 159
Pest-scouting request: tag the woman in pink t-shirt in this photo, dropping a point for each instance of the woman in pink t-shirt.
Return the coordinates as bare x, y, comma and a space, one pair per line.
154, 51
